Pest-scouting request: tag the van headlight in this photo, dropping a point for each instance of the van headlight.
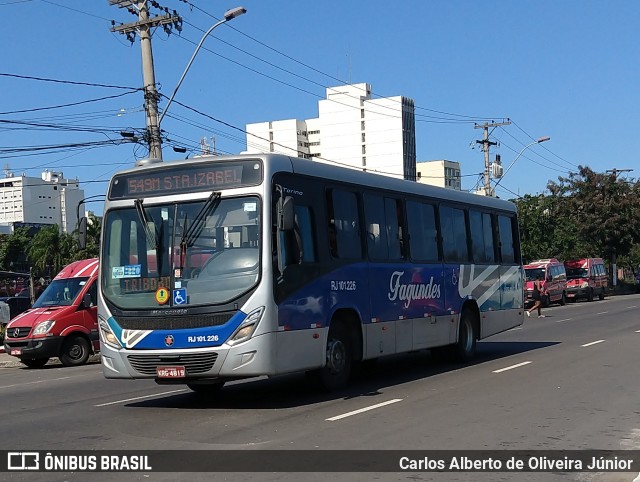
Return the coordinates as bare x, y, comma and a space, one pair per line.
247, 327
585, 284
107, 336
43, 327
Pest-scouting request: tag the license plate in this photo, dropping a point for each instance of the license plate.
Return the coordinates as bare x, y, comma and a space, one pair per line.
16, 351
171, 372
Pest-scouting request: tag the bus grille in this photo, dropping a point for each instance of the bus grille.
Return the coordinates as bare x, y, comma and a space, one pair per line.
193, 362
180, 322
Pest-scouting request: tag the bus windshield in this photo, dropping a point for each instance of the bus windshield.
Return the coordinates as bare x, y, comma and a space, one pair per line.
60, 292
181, 253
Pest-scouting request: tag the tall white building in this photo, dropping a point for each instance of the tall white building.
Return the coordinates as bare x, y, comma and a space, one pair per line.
352, 128
51, 199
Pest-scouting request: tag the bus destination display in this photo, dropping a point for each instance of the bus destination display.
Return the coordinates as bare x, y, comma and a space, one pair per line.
193, 178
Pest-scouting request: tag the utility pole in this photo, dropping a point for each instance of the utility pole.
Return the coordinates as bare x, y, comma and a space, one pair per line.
143, 28
486, 144
615, 171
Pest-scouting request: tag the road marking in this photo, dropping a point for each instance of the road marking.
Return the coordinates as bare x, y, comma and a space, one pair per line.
140, 398
31, 383
511, 367
632, 306
602, 313
637, 331
566, 319
365, 409
592, 343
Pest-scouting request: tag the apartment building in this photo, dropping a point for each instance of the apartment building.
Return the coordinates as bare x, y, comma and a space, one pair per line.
440, 173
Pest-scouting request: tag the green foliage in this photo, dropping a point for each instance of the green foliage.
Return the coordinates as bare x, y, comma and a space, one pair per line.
586, 214
46, 251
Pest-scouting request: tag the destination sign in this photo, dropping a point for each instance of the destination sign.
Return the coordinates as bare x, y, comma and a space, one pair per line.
186, 178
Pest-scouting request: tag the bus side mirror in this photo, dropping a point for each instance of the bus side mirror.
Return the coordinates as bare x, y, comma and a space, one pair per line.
285, 214
82, 233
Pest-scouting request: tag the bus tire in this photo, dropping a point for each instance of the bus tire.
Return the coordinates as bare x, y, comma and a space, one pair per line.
339, 351
34, 362
465, 348
205, 389
75, 351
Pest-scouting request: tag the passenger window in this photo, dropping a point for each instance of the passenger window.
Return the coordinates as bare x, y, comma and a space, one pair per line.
344, 221
507, 245
423, 235
481, 237
454, 234
304, 230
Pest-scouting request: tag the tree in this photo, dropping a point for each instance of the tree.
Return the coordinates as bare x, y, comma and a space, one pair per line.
607, 210
13, 248
49, 250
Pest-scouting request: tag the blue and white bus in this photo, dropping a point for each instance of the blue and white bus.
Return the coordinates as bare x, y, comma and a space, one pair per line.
223, 268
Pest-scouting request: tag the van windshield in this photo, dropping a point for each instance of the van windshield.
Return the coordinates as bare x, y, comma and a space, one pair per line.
575, 273
533, 273
61, 292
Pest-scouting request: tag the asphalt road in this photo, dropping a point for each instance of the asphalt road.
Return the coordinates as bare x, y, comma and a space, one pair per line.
567, 382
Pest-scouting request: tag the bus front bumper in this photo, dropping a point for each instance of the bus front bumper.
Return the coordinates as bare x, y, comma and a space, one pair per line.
247, 359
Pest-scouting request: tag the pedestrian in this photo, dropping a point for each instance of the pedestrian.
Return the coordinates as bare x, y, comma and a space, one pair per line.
537, 298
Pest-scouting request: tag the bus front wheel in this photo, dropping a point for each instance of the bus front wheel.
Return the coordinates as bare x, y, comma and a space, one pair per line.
337, 370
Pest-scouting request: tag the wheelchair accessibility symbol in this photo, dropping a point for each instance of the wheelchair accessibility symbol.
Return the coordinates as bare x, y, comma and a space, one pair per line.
180, 296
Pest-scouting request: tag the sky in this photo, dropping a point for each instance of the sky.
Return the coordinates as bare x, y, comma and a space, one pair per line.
569, 70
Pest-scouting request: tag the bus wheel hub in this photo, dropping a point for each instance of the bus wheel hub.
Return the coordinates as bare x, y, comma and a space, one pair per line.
336, 356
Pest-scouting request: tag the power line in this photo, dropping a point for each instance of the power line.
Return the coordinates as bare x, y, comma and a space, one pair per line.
88, 101
71, 82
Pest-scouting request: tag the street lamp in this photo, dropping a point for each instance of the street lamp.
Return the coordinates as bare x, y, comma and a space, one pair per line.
228, 15
538, 141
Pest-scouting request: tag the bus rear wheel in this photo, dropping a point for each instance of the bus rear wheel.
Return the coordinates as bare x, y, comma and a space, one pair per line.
465, 348
337, 370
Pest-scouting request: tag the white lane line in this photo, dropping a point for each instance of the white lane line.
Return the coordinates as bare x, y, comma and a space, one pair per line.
632, 306
592, 343
140, 398
637, 331
602, 313
511, 367
365, 409
31, 383
566, 319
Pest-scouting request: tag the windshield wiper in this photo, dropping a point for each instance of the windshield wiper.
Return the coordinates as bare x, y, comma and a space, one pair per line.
190, 235
154, 237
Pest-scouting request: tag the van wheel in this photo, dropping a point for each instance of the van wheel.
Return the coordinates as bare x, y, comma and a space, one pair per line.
590, 295
563, 299
601, 295
545, 300
75, 351
337, 370
34, 363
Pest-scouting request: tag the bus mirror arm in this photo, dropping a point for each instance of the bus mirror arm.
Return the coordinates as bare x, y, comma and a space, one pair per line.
285, 214
82, 233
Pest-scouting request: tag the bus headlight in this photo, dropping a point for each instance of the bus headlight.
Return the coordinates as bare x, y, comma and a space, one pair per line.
247, 327
107, 336
43, 327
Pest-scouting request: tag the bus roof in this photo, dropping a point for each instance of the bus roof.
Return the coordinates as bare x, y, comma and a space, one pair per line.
279, 162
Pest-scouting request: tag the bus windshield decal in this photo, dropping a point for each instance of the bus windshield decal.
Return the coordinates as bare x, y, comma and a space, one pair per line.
185, 178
